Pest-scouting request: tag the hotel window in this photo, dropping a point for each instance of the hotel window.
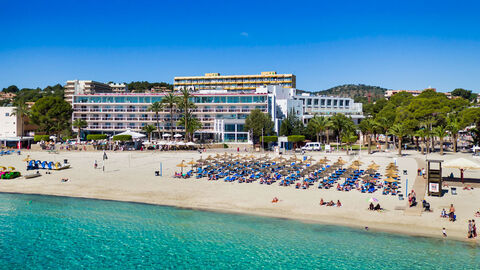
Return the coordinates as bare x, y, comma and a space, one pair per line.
247, 99
335, 103
329, 102
315, 102
309, 101
232, 100
341, 103
347, 103
229, 127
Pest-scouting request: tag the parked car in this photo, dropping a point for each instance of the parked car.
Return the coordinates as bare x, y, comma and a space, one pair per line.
312, 146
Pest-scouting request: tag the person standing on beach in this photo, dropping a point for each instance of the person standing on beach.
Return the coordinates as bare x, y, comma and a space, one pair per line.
474, 229
469, 230
452, 213
444, 232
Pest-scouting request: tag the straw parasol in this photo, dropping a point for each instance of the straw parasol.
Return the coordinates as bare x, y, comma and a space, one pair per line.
357, 162
462, 164
182, 165
390, 180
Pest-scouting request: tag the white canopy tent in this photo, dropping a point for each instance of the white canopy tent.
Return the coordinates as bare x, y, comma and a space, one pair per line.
166, 135
135, 135
177, 135
462, 164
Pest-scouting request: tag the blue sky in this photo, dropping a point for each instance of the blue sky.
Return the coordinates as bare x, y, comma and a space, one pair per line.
393, 44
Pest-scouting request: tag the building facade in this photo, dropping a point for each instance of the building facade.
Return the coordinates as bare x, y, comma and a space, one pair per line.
82, 87
9, 123
221, 112
118, 87
234, 82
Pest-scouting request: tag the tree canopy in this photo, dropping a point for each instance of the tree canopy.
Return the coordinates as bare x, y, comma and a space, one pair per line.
51, 114
258, 122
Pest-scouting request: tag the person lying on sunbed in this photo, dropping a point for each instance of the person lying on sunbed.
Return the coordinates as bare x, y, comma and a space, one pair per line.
322, 202
275, 200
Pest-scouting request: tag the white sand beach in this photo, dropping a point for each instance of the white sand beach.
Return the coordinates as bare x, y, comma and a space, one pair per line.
129, 176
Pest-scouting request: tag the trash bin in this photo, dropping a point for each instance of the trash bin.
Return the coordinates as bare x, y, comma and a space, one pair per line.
453, 190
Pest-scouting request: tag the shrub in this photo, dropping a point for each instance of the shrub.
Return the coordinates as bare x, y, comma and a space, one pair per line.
267, 139
122, 138
67, 138
38, 138
296, 138
96, 137
225, 145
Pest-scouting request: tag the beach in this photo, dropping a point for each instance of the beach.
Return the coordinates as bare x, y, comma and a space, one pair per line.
130, 176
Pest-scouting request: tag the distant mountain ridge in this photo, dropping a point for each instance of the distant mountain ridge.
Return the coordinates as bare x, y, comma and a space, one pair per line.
355, 91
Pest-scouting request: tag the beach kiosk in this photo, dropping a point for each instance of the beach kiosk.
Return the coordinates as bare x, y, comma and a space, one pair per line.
434, 177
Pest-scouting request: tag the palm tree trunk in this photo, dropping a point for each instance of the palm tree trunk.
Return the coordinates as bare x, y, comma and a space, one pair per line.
78, 134
158, 124
328, 137
399, 146
416, 142
369, 144
455, 142
441, 146
318, 137
186, 124
171, 121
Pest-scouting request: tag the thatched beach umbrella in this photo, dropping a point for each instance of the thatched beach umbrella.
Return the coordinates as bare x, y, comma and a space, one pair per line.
390, 180
182, 165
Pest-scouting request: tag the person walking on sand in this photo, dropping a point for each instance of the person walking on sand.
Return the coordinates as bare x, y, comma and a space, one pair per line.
95, 164
444, 232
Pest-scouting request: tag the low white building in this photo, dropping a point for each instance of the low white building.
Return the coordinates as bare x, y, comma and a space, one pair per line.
9, 123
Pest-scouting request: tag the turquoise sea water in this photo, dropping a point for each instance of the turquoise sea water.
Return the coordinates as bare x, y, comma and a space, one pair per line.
39, 232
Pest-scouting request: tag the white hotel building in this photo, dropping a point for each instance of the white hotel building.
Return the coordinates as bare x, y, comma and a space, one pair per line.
221, 112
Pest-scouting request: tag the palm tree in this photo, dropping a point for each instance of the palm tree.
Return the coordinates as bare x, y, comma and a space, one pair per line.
422, 133
349, 137
384, 124
149, 129
454, 126
428, 124
368, 127
194, 124
400, 131
170, 101
319, 124
441, 133
156, 107
21, 111
79, 124
186, 105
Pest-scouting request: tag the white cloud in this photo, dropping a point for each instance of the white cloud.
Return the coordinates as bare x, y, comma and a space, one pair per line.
245, 34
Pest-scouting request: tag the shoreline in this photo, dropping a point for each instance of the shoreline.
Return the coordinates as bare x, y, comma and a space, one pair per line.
129, 177
377, 227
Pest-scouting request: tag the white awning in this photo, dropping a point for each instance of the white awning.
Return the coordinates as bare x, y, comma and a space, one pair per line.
135, 135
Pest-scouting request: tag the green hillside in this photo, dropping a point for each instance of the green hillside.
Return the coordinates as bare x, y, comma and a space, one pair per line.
359, 92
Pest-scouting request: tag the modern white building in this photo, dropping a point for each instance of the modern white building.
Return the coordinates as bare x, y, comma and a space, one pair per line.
9, 123
80, 87
221, 112
118, 87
